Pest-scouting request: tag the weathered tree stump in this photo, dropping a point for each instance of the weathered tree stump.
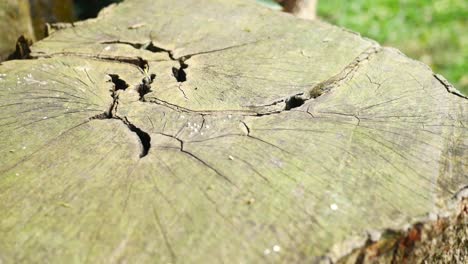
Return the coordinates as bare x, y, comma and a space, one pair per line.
181, 132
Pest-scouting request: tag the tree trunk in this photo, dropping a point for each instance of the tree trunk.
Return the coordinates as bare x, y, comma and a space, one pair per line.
181, 132
50, 11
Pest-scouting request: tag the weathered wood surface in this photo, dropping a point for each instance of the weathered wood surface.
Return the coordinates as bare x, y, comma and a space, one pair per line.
280, 140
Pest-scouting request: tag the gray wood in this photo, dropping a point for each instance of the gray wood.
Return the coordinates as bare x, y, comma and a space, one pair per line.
219, 132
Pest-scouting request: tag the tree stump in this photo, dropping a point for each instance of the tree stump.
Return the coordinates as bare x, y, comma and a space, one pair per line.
181, 132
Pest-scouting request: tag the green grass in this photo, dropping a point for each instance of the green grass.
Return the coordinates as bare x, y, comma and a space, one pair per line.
435, 32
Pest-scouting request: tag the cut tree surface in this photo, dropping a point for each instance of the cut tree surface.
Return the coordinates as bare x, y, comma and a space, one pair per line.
218, 132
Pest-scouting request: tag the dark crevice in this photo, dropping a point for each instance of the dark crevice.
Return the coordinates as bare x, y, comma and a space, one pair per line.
344, 75
171, 55
140, 62
288, 103
22, 50
136, 61
449, 87
266, 113
145, 86
294, 102
119, 84
144, 46
291, 102
101, 116
203, 122
145, 138
247, 128
179, 74
335, 81
151, 47
113, 107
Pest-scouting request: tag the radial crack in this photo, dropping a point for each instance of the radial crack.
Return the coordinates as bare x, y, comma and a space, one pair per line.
183, 150
179, 73
450, 88
145, 46
246, 128
139, 62
120, 84
220, 49
149, 46
183, 93
145, 138
346, 74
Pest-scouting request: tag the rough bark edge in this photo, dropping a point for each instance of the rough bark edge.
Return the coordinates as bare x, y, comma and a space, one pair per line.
439, 238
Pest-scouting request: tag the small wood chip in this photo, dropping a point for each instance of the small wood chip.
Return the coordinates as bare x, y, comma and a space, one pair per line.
137, 25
